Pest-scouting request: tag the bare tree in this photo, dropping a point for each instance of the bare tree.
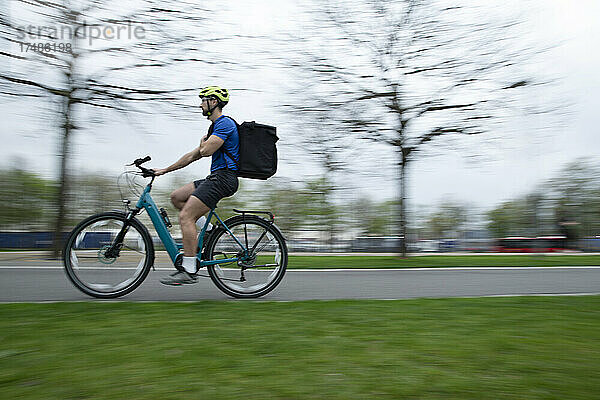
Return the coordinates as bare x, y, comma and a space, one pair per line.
92, 56
404, 74
448, 220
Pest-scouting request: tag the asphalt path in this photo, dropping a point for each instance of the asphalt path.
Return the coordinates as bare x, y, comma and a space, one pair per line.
31, 280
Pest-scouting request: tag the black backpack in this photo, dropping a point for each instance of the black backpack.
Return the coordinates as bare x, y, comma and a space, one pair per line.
258, 152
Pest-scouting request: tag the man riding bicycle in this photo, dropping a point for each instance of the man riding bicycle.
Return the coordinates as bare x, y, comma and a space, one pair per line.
197, 198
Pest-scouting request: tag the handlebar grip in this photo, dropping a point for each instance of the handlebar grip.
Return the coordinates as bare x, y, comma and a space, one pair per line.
140, 161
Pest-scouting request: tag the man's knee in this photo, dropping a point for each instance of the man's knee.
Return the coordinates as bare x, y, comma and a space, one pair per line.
192, 210
175, 199
178, 198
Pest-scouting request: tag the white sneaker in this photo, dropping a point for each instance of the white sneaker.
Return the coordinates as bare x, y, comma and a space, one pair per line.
179, 278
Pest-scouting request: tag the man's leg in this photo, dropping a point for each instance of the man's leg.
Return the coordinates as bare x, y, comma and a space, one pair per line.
181, 195
193, 209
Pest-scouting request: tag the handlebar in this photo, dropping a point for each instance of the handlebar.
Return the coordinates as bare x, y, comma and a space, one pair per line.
146, 172
140, 161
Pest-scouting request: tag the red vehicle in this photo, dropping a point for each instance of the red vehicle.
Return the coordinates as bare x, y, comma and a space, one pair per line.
515, 245
551, 244
540, 244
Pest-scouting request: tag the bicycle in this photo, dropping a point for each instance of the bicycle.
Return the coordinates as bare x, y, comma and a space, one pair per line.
110, 254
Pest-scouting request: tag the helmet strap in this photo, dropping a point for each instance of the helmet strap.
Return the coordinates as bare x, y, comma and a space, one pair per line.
210, 110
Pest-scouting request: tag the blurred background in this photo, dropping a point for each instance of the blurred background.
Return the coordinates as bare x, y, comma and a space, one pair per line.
459, 127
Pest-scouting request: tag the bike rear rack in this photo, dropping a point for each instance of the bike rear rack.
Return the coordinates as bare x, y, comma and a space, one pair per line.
244, 212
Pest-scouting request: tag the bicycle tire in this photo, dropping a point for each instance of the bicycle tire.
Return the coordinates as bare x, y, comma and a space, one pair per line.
85, 263
272, 247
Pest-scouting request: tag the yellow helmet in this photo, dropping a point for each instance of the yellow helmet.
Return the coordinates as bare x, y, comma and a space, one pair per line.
215, 91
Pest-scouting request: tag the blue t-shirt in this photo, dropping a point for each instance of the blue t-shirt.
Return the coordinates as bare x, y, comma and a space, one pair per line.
225, 128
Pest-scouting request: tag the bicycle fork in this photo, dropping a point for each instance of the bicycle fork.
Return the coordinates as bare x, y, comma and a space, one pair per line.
115, 248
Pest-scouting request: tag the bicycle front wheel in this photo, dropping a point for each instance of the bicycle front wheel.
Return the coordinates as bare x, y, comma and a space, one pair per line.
104, 264
260, 251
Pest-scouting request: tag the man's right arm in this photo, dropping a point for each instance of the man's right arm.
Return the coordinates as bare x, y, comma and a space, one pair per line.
184, 161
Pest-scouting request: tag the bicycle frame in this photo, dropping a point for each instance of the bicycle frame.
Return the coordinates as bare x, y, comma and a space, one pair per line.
173, 248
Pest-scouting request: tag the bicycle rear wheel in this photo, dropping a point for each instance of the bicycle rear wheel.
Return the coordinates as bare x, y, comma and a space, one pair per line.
260, 269
100, 267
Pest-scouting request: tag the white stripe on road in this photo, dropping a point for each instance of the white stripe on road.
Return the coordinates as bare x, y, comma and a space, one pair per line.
292, 270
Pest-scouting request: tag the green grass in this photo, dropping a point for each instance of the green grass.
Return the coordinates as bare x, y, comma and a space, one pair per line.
537, 260
494, 348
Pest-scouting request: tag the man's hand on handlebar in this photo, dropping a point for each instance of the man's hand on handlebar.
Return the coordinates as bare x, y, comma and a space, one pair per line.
159, 171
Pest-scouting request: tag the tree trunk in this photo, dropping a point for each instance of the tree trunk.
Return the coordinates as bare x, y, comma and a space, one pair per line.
61, 199
402, 206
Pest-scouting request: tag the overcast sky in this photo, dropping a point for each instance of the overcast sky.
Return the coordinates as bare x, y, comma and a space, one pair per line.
515, 168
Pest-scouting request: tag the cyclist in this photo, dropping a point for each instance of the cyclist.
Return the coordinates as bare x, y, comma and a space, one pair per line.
196, 198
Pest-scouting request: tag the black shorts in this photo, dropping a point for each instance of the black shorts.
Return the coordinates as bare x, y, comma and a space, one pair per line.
219, 184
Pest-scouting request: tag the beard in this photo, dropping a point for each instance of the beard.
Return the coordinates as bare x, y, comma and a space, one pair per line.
204, 112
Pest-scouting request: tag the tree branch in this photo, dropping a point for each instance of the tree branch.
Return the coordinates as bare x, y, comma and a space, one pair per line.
37, 85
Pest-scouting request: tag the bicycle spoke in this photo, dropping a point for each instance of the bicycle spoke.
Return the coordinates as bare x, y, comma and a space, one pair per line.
132, 249
235, 241
258, 241
265, 245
